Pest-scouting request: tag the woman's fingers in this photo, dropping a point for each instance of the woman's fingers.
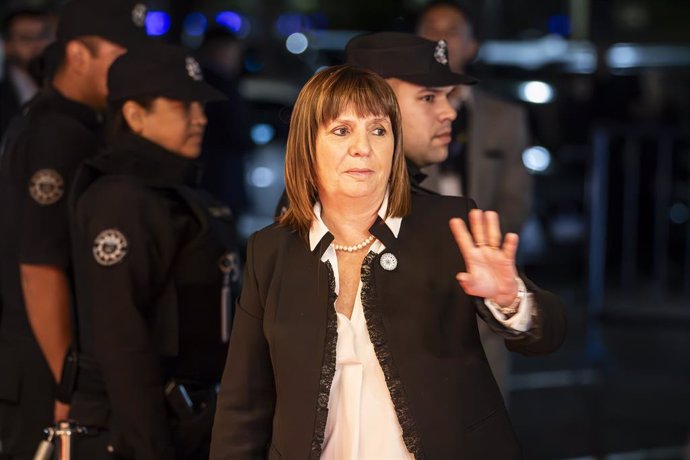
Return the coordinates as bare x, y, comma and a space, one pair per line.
492, 229
510, 245
477, 226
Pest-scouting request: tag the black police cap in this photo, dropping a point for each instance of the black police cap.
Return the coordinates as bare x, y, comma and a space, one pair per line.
407, 57
159, 70
119, 21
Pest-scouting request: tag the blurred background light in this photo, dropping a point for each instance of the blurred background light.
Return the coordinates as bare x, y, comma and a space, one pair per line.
261, 177
157, 23
262, 133
297, 43
230, 20
195, 24
536, 92
559, 24
290, 23
622, 56
536, 158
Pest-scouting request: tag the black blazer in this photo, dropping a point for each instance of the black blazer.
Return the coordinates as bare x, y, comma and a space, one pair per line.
273, 399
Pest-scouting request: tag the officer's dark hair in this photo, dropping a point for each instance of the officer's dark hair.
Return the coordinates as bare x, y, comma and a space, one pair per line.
115, 120
461, 8
322, 99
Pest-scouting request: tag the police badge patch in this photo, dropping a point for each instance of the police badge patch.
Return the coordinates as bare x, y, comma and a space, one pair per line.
139, 15
110, 247
46, 187
193, 69
441, 52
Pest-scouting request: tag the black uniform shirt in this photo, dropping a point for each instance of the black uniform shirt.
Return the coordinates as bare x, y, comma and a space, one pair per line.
41, 152
153, 254
416, 177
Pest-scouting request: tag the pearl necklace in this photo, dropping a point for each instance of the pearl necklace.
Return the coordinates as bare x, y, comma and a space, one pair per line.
354, 247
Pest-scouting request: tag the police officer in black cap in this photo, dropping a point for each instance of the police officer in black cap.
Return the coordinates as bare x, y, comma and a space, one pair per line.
156, 262
40, 154
417, 70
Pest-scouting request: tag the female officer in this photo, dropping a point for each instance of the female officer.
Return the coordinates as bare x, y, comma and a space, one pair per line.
156, 263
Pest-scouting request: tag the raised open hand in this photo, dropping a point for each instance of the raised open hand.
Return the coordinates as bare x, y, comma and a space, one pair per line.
490, 265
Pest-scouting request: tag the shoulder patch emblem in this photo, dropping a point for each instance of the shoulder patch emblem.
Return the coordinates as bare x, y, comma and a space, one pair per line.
193, 69
441, 52
46, 186
110, 247
139, 14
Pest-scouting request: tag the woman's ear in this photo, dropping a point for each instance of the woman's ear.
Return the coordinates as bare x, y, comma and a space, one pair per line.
133, 114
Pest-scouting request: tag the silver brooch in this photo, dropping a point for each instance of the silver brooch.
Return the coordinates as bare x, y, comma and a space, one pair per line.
388, 261
46, 186
110, 247
441, 52
193, 69
139, 15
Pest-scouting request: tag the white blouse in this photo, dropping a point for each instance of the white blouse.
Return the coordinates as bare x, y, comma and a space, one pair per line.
362, 423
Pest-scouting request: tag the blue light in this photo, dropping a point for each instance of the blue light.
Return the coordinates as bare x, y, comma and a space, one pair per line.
559, 24
195, 24
230, 20
262, 133
157, 23
290, 23
261, 177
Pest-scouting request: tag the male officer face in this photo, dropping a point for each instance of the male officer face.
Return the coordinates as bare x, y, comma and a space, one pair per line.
426, 121
87, 59
102, 53
444, 22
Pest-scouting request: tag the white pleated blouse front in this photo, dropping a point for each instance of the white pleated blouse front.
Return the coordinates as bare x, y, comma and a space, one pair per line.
362, 423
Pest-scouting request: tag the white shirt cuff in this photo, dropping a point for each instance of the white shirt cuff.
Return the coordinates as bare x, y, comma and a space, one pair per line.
520, 321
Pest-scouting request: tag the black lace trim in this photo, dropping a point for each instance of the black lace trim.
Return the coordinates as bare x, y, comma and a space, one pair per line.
378, 339
327, 369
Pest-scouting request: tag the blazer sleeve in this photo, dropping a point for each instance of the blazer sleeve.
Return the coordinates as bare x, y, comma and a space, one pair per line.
244, 415
548, 323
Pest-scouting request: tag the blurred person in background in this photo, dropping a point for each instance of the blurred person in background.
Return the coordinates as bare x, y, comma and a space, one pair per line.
355, 334
227, 140
485, 156
156, 265
25, 34
41, 152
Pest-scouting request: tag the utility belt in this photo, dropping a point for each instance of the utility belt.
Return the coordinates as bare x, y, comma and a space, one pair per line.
190, 411
82, 376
